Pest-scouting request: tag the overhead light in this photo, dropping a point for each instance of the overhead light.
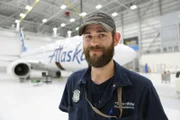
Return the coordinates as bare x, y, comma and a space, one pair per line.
28, 7
83, 14
72, 20
17, 21
22, 15
44, 20
62, 24
77, 28
63, 6
98, 6
54, 29
69, 32
133, 7
114, 14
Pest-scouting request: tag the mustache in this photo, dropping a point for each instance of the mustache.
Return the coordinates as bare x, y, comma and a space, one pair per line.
97, 47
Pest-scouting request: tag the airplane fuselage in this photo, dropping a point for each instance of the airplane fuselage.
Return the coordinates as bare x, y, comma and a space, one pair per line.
64, 55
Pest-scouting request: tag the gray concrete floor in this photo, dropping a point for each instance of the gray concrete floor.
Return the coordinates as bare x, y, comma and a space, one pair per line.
25, 101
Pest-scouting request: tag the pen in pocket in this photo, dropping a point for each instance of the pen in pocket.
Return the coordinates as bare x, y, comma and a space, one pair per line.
111, 113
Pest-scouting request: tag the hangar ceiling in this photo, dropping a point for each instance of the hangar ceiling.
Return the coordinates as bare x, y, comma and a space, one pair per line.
50, 10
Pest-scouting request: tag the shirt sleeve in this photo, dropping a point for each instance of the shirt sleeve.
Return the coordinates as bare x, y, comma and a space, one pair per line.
65, 100
152, 108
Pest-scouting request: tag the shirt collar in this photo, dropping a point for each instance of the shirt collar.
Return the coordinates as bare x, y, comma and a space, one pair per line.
120, 76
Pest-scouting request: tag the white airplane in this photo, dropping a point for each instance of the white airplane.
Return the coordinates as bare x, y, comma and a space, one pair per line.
65, 54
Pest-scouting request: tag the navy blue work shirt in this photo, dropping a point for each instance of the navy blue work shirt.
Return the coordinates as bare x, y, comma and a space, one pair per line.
140, 100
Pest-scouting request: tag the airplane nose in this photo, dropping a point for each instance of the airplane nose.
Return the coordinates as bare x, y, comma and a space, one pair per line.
124, 54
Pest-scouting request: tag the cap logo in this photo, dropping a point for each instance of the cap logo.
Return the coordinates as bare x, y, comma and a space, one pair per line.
76, 95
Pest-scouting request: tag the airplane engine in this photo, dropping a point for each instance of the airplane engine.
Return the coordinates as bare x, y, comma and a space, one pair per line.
19, 69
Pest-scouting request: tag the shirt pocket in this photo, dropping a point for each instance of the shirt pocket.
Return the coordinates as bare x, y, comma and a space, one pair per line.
76, 113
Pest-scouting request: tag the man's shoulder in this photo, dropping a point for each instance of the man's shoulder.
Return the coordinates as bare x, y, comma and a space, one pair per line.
75, 76
137, 79
79, 72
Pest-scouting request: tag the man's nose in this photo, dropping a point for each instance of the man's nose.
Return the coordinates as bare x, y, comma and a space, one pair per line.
94, 41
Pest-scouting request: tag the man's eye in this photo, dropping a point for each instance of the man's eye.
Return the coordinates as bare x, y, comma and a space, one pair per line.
88, 37
101, 35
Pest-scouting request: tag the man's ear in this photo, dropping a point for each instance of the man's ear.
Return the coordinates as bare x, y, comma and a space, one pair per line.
117, 37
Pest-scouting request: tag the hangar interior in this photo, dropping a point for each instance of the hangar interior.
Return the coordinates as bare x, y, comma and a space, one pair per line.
150, 27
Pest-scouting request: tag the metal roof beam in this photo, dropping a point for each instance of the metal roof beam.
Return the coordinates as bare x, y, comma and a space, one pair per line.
53, 5
55, 15
123, 4
33, 11
7, 18
25, 21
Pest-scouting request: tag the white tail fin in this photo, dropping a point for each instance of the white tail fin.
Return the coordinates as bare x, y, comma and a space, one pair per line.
23, 47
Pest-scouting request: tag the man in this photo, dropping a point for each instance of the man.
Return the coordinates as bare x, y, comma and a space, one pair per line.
106, 90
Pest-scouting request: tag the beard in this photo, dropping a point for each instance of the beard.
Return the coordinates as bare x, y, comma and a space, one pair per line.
99, 61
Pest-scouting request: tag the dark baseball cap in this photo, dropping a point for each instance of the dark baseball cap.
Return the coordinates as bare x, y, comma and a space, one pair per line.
98, 18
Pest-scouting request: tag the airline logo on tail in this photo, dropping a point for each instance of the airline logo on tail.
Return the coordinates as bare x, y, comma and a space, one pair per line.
23, 47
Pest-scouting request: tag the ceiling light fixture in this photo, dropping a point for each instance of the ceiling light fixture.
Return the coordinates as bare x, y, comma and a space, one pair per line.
77, 28
62, 24
69, 32
133, 7
17, 21
54, 29
114, 14
98, 6
28, 7
44, 20
63, 6
22, 15
72, 20
83, 14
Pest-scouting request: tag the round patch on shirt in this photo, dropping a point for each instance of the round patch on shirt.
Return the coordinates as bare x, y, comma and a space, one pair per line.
76, 95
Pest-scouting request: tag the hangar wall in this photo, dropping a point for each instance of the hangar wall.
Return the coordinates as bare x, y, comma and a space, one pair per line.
161, 62
10, 45
143, 23
147, 24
